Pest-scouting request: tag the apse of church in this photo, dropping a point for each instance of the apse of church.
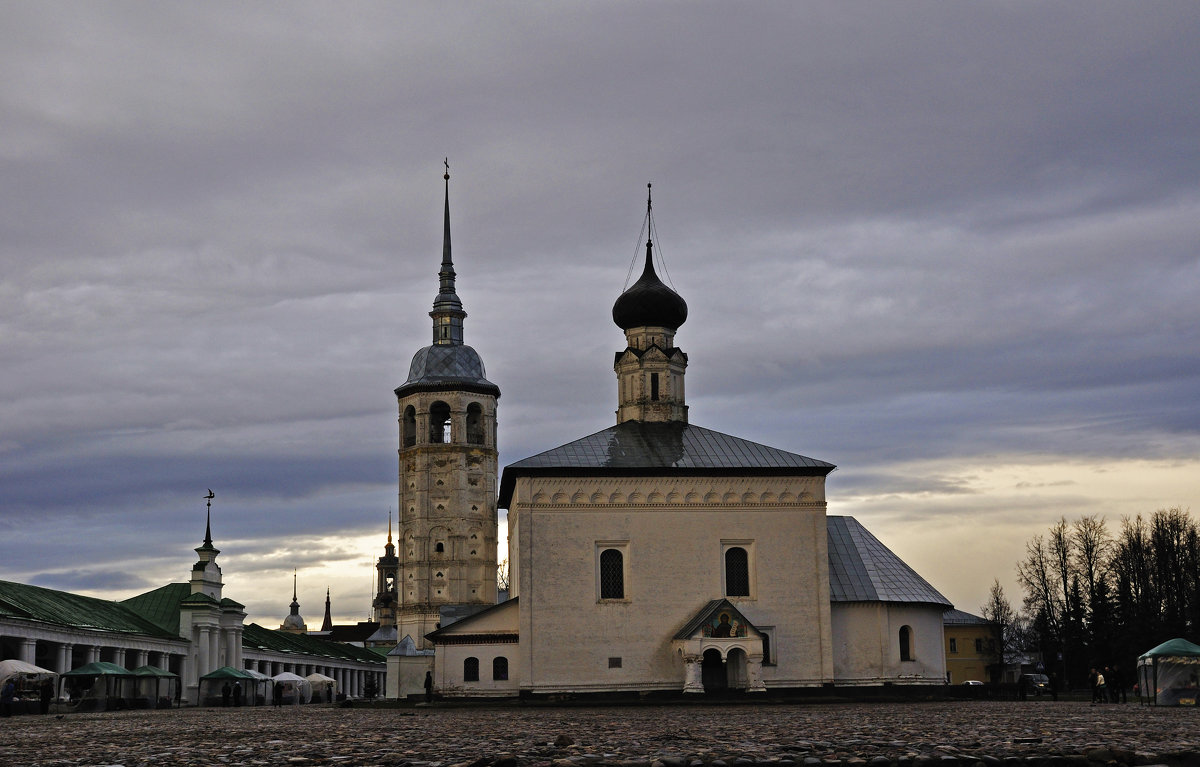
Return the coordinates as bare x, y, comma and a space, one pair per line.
446, 548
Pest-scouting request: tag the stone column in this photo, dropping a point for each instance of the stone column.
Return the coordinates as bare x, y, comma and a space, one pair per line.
214, 650
93, 654
692, 680
29, 650
119, 656
754, 678
203, 646
64, 657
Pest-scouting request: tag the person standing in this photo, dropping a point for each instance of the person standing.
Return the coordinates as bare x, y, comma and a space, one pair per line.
277, 695
45, 695
6, 698
237, 694
226, 692
428, 686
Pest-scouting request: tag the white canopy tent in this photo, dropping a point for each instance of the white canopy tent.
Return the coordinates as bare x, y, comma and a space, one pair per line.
323, 688
1169, 675
293, 688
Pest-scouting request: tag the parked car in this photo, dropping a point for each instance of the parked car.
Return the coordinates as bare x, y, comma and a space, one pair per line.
1035, 683
973, 682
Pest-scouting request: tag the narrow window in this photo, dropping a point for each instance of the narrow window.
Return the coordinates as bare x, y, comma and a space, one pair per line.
979, 645
439, 423
737, 572
471, 670
654, 386
953, 645
612, 574
410, 426
905, 643
474, 424
766, 640
499, 669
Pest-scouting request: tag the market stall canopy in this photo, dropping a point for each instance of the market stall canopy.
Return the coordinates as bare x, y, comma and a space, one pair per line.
19, 668
154, 671
1176, 648
226, 672
99, 668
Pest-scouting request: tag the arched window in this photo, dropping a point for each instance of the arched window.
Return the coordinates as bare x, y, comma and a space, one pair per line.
500, 669
439, 423
409, 430
906, 643
474, 424
737, 572
612, 574
439, 547
471, 669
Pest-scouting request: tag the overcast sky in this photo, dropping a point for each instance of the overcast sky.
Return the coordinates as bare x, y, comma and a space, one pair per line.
950, 247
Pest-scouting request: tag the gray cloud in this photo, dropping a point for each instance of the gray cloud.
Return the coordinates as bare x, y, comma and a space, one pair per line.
906, 233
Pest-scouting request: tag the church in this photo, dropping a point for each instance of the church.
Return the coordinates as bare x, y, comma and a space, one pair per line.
655, 556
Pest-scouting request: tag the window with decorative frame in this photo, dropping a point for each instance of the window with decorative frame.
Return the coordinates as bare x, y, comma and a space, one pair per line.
737, 568
612, 567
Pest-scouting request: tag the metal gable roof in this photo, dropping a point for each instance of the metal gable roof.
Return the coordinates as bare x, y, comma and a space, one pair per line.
861, 569
62, 608
668, 447
256, 637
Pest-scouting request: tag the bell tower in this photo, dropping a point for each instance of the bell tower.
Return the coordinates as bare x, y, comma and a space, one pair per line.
650, 371
446, 547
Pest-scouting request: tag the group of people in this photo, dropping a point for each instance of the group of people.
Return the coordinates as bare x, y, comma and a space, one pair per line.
231, 692
1107, 685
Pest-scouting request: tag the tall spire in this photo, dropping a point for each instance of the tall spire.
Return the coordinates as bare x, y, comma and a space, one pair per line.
207, 546
447, 311
327, 623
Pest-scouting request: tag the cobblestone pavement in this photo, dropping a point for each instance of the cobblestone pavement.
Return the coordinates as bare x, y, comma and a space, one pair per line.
956, 734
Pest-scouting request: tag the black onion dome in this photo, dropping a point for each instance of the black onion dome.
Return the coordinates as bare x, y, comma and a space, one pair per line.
649, 302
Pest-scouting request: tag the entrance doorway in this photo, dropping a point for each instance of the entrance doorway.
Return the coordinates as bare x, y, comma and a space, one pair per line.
712, 672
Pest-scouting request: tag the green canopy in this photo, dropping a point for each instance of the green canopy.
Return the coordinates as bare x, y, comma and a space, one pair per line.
100, 668
227, 672
1175, 648
154, 671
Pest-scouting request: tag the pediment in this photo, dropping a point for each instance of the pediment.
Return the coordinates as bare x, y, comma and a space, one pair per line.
718, 619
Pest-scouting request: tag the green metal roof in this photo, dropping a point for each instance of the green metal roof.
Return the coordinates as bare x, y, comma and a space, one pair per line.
34, 603
255, 637
160, 606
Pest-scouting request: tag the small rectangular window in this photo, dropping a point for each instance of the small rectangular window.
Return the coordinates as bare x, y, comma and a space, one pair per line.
953, 645
614, 663
654, 386
978, 645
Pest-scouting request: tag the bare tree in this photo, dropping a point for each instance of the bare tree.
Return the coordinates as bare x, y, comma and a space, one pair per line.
502, 575
1000, 613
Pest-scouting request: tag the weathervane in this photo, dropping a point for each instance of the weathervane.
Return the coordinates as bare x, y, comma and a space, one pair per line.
447, 163
208, 518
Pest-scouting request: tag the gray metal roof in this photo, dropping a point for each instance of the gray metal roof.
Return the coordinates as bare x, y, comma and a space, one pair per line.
861, 569
666, 447
447, 366
961, 618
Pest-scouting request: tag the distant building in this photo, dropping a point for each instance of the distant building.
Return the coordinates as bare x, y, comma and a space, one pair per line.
970, 647
188, 629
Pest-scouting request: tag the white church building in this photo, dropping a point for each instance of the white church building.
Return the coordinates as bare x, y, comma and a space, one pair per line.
653, 556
